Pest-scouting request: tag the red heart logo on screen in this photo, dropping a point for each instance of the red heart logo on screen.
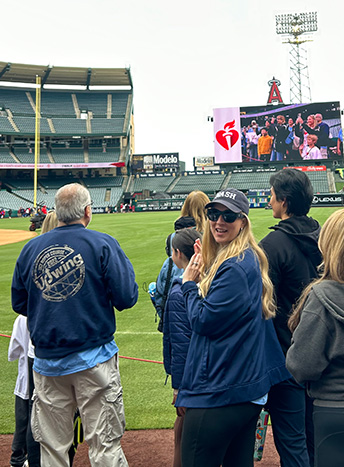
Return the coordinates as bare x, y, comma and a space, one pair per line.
223, 135
221, 138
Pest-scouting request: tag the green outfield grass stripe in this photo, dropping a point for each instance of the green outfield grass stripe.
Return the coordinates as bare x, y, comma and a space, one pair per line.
154, 333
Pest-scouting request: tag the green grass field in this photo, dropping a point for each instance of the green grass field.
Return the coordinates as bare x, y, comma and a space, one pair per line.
142, 236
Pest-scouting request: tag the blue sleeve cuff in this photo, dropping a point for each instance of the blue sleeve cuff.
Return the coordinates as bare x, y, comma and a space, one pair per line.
189, 285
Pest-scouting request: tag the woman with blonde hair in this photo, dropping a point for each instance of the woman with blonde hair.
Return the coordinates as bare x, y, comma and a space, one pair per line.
50, 222
234, 356
316, 355
194, 207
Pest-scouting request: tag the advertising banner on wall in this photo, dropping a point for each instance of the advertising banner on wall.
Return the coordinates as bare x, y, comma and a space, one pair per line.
227, 135
87, 165
205, 161
168, 160
328, 199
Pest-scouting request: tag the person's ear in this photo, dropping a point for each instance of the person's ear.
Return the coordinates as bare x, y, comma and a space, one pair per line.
88, 212
178, 253
284, 205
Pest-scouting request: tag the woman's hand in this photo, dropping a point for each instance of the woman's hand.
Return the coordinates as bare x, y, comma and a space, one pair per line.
198, 246
192, 271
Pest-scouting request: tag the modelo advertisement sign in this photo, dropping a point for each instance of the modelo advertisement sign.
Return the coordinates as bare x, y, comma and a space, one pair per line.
168, 160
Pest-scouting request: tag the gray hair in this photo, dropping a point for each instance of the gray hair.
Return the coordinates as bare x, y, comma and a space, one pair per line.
70, 202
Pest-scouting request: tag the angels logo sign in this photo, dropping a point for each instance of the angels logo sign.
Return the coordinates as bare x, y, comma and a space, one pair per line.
227, 135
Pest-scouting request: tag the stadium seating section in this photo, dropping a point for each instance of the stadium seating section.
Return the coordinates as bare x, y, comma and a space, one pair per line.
249, 180
84, 127
154, 184
207, 183
61, 112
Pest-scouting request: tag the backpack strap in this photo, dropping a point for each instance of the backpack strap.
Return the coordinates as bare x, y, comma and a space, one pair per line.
165, 294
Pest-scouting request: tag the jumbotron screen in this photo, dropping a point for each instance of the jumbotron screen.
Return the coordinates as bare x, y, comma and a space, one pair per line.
285, 133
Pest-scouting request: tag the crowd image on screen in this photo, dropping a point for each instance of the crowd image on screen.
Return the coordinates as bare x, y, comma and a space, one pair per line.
290, 137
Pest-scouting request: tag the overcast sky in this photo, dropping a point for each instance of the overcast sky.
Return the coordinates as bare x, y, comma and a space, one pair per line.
187, 57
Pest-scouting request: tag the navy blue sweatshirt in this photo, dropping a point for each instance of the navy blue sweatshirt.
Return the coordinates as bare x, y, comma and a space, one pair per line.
67, 282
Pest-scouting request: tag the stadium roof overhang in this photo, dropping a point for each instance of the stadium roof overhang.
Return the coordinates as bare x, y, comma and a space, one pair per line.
65, 76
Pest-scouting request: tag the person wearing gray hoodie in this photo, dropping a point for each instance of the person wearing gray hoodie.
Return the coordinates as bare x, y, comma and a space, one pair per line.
316, 356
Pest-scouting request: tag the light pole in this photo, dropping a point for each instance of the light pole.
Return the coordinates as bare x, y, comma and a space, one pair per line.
298, 26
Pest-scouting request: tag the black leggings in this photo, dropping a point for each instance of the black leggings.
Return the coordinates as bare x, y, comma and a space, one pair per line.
220, 436
328, 436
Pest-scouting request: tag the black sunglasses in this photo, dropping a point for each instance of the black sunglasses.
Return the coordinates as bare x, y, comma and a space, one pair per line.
228, 216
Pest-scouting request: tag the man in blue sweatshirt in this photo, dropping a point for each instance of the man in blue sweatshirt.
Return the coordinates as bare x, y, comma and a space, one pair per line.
68, 282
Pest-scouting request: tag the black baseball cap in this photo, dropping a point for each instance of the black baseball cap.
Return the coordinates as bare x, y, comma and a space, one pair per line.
232, 199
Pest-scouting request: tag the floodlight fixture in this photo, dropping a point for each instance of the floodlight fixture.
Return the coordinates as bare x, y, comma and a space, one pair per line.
298, 28
295, 24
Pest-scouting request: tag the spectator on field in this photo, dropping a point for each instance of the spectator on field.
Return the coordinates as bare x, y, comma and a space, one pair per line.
234, 355
294, 257
50, 222
33, 447
177, 330
192, 215
18, 350
169, 270
316, 355
194, 207
68, 282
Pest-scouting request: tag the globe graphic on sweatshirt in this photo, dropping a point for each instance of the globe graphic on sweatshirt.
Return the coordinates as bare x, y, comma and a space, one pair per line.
59, 272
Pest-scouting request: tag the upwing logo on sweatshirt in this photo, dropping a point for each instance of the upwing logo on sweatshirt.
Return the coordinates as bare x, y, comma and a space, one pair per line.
59, 273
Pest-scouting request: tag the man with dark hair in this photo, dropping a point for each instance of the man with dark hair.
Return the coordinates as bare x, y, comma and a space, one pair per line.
293, 255
68, 282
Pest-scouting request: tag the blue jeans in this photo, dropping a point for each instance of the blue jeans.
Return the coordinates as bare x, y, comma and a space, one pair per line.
287, 408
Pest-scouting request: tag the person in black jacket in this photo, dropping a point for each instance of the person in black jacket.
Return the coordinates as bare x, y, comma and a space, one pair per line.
177, 330
294, 257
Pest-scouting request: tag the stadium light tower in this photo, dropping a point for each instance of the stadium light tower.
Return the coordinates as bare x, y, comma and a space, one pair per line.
297, 26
